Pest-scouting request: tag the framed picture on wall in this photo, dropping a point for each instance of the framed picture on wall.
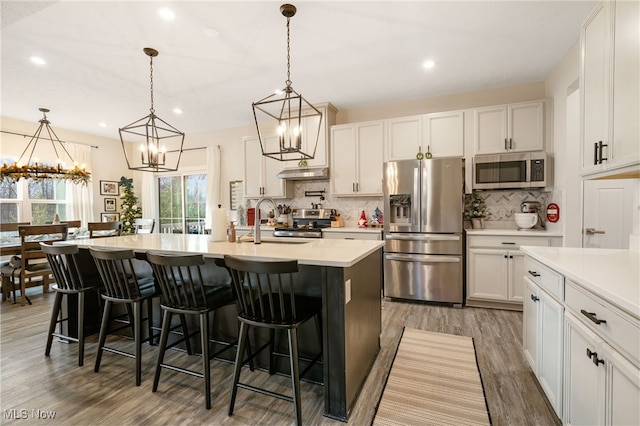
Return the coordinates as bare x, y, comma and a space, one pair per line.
109, 217
109, 204
109, 187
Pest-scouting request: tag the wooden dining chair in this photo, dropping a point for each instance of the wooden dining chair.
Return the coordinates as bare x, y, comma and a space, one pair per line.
144, 226
104, 229
31, 268
10, 246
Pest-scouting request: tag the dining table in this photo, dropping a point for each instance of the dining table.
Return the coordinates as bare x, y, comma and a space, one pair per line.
346, 274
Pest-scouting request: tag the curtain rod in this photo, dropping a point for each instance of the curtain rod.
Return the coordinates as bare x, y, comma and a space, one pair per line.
47, 139
189, 149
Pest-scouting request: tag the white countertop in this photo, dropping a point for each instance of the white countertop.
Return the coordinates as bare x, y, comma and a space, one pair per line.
612, 274
308, 251
514, 232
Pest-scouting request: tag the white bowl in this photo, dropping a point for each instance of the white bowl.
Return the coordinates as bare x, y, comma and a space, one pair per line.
526, 220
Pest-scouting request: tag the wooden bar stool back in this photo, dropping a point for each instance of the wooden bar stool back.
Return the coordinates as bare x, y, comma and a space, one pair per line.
122, 286
267, 299
104, 229
63, 260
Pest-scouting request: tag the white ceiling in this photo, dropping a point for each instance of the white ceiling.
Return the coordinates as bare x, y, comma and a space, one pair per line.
350, 53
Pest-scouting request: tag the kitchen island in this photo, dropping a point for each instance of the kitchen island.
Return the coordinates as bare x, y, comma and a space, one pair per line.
346, 273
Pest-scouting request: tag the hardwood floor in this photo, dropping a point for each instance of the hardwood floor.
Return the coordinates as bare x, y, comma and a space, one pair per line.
30, 381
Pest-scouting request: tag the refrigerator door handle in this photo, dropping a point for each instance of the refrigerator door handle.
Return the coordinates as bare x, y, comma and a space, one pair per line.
422, 258
414, 237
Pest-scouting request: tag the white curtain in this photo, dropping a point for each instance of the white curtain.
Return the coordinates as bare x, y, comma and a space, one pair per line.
214, 196
149, 197
80, 197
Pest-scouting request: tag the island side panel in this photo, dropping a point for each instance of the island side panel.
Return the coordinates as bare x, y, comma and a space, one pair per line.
352, 331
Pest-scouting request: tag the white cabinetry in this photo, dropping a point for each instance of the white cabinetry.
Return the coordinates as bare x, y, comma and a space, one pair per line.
509, 128
260, 172
356, 159
441, 133
309, 126
610, 94
542, 334
495, 269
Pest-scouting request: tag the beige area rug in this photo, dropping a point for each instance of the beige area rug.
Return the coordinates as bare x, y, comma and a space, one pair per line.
434, 380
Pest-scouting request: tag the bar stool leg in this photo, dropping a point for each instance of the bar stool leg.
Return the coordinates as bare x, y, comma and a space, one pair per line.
104, 326
244, 329
206, 362
80, 328
295, 373
137, 338
55, 312
164, 335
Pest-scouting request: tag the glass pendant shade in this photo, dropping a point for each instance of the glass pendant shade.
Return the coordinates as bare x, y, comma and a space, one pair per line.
288, 125
29, 167
150, 144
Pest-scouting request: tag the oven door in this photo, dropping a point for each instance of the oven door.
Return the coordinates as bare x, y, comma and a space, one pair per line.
434, 278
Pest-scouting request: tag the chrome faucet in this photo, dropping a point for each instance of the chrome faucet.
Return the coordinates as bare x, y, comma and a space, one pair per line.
256, 232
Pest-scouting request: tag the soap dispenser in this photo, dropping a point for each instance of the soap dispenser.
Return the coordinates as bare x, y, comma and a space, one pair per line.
232, 233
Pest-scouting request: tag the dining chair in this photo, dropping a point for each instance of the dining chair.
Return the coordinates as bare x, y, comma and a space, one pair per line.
64, 262
104, 229
31, 268
186, 292
123, 287
9, 247
267, 299
144, 226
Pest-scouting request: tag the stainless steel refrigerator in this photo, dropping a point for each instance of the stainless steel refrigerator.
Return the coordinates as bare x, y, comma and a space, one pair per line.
423, 202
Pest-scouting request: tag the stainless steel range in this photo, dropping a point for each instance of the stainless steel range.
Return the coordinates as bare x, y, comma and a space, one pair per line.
307, 223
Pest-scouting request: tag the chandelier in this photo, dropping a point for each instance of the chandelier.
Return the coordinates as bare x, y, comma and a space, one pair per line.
38, 171
294, 133
153, 133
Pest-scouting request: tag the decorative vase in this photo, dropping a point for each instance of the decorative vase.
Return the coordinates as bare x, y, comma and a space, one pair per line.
477, 223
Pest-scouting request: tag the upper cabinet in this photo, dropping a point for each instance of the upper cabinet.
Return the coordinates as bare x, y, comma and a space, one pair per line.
441, 134
356, 159
309, 126
260, 172
509, 128
610, 91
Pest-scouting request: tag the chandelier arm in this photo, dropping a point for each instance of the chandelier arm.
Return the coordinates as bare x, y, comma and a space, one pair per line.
34, 140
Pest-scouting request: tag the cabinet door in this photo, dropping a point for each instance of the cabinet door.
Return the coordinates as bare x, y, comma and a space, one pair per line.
583, 400
370, 139
530, 324
272, 185
626, 84
491, 130
623, 389
444, 134
487, 276
550, 352
343, 160
404, 138
252, 168
516, 274
596, 41
526, 126
309, 132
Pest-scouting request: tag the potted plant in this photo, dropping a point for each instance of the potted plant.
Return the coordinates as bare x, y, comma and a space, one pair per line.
475, 210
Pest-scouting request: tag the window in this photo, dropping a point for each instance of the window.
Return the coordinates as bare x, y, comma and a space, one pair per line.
44, 199
182, 203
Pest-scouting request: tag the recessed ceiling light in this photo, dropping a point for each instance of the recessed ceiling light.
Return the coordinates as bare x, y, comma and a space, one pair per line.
166, 13
102, 124
211, 32
177, 111
428, 64
37, 60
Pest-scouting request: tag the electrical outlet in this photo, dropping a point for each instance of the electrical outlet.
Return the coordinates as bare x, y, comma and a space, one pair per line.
502, 212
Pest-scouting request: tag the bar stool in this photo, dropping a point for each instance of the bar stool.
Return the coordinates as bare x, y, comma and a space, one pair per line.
185, 292
122, 286
63, 260
267, 299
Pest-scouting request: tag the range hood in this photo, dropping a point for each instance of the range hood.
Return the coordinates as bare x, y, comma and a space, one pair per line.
312, 173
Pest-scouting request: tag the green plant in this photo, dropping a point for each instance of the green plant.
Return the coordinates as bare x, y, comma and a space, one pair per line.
475, 207
129, 204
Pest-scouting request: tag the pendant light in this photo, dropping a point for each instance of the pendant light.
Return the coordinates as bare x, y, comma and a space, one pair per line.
153, 134
288, 126
38, 171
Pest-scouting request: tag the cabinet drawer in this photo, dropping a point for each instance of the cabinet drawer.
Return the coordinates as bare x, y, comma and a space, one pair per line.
546, 278
617, 328
506, 242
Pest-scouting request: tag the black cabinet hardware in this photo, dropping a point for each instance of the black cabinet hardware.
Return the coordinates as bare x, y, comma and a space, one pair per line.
534, 273
508, 243
591, 354
592, 317
535, 299
505, 144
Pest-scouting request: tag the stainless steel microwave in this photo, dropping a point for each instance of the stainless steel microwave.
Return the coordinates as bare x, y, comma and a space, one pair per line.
512, 171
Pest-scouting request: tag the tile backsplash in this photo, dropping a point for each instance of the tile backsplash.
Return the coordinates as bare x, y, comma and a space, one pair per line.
503, 204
